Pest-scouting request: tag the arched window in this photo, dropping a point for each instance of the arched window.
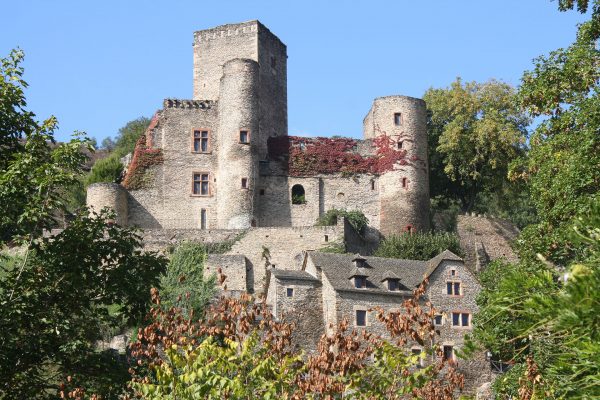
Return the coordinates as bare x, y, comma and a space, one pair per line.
298, 194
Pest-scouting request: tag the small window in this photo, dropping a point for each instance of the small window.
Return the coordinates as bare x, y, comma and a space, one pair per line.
372, 184
244, 183
398, 119
289, 292
448, 353
360, 282
438, 320
461, 319
452, 272
261, 192
393, 284
200, 185
298, 196
200, 141
203, 218
244, 137
404, 183
400, 144
327, 238
453, 288
418, 353
361, 318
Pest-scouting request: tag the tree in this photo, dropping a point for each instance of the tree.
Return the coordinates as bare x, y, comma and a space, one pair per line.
563, 163
129, 134
108, 144
418, 246
55, 298
475, 129
109, 169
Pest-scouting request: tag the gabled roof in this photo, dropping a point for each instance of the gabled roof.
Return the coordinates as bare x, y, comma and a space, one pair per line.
283, 274
410, 273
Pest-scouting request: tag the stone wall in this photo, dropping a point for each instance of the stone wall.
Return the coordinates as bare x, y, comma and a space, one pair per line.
109, 195
162, 239
234, 267
492, 235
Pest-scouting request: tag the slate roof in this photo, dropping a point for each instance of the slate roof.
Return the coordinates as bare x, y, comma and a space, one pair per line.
298, 275
338, 268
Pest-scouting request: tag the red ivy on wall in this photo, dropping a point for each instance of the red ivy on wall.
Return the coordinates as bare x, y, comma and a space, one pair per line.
314, 156
144, 156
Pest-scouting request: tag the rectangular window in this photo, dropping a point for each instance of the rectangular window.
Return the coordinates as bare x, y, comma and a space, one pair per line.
289, 292
419, 353
393, 284
203, 218
453, 288
452, 272
200, 141
400, 143
438, 320
461, 319
200, 185
361, 318
372, 184
244, 137
262, 192
244, 183
448, 353
398, 119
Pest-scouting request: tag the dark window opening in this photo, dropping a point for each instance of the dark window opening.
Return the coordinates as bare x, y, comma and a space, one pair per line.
419, 354
461, 319
448, 353
244, 137
372, 184
393, 284
200, 141
253, 224
438, 320
464, 319
361, 318
453, 272
453, 288
397, 119
200, 184
400, 142
261, 192
244, 183
203, 219
290, 292
327, 238
404, 183
360, 282
298, 196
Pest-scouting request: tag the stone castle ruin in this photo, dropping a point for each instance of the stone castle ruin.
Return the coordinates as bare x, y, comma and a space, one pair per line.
221, 167
224, 160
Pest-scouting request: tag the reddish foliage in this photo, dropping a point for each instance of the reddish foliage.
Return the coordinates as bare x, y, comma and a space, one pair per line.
144, 156
313, 156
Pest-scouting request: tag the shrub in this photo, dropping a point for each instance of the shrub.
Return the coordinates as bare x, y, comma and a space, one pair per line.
418, 246
108, 169
184, 282
356, 218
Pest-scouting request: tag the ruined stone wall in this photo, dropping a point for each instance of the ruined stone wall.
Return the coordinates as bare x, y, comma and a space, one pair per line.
167, 201
234, 267
163, 239
304, 308
285, 246
214, 47
323, 193
110, 195
477, 370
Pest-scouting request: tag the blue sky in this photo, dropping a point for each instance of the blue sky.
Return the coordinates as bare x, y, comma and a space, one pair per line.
96, 65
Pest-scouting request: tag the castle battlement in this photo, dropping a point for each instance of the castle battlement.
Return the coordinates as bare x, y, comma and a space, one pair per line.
180, 103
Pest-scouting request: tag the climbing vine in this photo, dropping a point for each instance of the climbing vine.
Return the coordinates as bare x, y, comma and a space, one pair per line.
313, 156
144, 157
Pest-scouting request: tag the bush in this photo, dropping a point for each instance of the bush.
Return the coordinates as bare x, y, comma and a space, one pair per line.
184, 283
418, 246
107, 169
356, 218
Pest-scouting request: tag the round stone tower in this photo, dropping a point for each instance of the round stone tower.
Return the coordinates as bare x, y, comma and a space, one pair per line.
404, 191
238, 138
111, 195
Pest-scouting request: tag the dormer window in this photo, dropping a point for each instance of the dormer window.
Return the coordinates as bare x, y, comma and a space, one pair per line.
393, 285
391, 280
360, 282
359, 261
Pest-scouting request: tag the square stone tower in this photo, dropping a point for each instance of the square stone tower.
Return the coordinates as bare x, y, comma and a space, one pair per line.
246, 40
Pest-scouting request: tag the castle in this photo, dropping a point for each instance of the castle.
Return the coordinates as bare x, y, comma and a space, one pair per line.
224, 160
221, 167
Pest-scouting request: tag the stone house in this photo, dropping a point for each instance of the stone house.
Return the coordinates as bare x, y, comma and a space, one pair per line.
332, 287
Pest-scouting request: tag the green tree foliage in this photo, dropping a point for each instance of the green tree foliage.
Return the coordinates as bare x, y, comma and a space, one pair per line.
108, 144
418, 246
184, 283
109, 169
55, 305
32, 172
357, 219
475, 129
563, 164
129, 134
